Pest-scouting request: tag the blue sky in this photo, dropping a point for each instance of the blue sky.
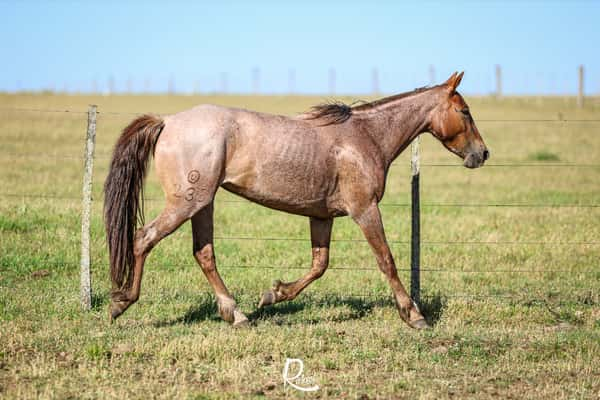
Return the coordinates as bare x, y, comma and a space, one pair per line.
78, 45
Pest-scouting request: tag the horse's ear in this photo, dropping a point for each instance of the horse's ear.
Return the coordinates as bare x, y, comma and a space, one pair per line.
454, 80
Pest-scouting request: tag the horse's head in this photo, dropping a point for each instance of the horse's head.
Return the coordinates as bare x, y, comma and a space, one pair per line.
453, 125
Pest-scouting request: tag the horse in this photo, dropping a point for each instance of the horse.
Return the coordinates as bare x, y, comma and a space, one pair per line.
328, 162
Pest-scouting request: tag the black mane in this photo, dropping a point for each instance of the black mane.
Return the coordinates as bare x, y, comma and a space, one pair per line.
333, 113
338, 112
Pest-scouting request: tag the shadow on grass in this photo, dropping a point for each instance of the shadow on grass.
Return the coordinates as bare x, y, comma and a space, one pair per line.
358, 308
354, 308
205, 310
100, 300
432, 307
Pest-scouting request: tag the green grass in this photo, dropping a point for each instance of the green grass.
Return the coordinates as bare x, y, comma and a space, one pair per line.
543, 155
509, 320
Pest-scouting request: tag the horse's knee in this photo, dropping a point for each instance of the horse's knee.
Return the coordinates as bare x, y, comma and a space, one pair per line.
206, 258
144, 240
319, 270
320, 262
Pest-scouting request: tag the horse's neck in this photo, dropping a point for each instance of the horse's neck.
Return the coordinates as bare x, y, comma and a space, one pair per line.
394, 126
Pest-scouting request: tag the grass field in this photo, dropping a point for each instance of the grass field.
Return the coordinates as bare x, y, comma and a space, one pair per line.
516, 314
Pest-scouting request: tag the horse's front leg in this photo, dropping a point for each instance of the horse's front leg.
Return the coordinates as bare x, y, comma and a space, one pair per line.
370, 223
320, 234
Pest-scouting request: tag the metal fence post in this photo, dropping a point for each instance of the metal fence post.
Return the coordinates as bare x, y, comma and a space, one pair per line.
415, 240
86, 281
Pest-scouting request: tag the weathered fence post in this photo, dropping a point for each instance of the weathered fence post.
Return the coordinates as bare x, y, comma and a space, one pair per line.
415, 240
580, 88
86, 281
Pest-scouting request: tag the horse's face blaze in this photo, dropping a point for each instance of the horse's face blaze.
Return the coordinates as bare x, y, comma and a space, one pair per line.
454, 126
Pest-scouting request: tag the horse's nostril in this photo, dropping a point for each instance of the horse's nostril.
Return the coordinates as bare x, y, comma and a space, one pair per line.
486, 155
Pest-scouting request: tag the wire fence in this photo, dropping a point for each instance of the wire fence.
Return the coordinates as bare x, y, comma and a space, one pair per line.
497, 243
10, 155
339, 267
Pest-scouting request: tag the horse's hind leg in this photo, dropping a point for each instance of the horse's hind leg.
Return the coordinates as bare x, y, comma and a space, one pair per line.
320, 235
202, 229
145, 239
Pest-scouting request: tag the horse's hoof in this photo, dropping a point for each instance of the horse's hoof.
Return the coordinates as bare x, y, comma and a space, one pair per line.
112, 316
114, 313
419, 324
240, 320
267, 299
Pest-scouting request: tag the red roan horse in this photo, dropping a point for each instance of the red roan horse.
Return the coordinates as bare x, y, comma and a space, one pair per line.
330, 162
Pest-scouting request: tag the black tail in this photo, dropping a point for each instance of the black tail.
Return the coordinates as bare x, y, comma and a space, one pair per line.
124, 194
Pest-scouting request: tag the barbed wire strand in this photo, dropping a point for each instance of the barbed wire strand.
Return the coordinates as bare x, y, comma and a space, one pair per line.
338, 268
434, 165
457, 205
40, 110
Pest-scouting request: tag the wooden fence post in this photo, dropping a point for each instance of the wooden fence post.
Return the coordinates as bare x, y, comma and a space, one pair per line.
86, 281
415, 240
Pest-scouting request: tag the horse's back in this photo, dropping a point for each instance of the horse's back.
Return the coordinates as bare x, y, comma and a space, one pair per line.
274, 160
280, 162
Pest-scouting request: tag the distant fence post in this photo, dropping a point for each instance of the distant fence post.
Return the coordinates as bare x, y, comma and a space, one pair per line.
498, 81
291, 81
415, 240
255, 80
224, 79
171, 85
580, 90
86, 280
331, 81
375, 81
431, 75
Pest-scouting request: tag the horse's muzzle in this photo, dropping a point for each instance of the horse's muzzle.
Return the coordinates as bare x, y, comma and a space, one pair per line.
476, 159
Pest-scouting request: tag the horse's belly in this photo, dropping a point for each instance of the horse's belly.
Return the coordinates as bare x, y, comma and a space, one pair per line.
279, 190
287, 169
294, 189
311, 207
